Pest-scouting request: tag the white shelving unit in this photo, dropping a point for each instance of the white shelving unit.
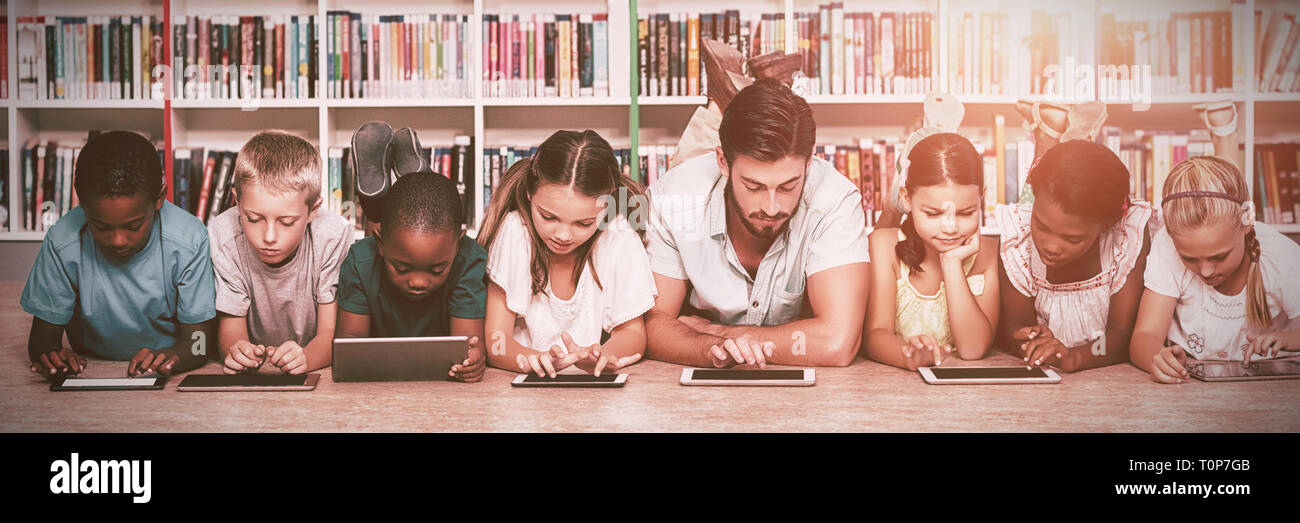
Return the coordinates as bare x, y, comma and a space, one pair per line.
526, 121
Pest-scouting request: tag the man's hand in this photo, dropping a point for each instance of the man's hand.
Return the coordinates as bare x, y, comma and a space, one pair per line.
744, 350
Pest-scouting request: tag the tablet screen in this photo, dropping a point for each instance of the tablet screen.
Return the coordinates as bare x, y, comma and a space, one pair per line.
572, 378
73, 383
747, 375
244, 380
958, 373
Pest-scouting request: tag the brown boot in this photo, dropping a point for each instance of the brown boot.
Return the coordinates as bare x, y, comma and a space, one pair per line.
725, 66
776, 65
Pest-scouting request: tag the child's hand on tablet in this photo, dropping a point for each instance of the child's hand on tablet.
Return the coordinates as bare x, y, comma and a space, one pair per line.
243, 356
471, 370
288, 357
1040, 345
924, 351
744, 350
60, 363
1169, 365
546, 364
598, 362
149, 361
1269, 344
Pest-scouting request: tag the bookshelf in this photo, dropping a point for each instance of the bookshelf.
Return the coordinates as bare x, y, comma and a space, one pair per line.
626, 120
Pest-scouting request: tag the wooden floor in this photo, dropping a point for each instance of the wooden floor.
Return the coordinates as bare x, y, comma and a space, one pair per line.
863, 397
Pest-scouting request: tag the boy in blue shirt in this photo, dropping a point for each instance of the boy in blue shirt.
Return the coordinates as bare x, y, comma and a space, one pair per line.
419, 275
127, 275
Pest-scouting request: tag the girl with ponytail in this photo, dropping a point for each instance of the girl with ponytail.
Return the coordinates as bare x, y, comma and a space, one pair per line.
1219, 285
928, 294
569, 278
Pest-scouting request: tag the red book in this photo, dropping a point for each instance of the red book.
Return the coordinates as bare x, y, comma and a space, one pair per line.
279, 60
206, 188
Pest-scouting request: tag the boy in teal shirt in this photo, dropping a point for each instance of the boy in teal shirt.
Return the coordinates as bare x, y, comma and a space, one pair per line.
419, 275
127, 275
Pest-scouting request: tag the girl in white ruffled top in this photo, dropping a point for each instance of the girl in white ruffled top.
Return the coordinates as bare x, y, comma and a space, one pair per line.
569, 277
1073, 260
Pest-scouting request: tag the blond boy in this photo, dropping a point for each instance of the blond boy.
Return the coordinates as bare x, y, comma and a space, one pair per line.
277, 256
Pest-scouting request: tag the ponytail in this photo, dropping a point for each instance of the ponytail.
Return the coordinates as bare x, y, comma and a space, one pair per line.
1257, 313
911, 249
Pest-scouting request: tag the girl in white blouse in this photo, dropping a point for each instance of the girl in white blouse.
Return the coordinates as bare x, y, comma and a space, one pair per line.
1072, 260
569, 276
1219, 285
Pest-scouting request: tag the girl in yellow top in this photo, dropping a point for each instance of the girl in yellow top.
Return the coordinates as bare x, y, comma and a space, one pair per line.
934, 280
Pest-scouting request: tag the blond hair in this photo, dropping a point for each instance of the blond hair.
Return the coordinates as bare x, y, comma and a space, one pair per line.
1210, 174
281, 162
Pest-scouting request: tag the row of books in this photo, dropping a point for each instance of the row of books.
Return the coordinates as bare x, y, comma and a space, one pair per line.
669, 46
201, 180
388, 56
89, 57
455, 161
1009, 52
231, 57
1278, 66
868, 53
1150, 155
1277, 182
1199, 52
546, 55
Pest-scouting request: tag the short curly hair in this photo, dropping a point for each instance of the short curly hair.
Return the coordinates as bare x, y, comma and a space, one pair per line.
422, 202
118, 164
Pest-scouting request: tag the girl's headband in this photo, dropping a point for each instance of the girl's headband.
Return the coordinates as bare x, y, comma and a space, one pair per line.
1247, 206
1203, 194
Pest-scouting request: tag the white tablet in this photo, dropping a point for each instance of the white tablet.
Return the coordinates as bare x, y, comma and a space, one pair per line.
137, 383
749, 377
988, 375
571, 381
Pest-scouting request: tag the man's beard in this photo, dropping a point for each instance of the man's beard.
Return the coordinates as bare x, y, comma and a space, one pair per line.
764, 233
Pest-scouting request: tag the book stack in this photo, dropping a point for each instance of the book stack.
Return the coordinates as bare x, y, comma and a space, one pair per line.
392, 56
1278, 60
538, 55
201, 180
868, 53
668, 46
232, 57
455, 161
1194, 52
1277, 182
89, 57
